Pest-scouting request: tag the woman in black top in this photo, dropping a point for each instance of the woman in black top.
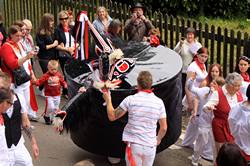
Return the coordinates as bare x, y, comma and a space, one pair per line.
114, 34
66, 46
63, 33
46, 41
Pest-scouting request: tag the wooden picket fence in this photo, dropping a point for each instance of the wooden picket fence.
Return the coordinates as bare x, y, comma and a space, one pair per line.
225, 46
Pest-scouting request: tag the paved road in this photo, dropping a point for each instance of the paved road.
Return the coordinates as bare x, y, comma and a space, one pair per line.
59, 150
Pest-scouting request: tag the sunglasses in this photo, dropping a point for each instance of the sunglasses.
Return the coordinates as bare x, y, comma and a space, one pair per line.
63, 18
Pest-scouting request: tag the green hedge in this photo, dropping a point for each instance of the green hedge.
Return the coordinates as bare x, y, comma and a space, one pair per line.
214, 8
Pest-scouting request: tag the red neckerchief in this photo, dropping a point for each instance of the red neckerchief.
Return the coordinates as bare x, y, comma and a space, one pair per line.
146, 90
1, 120
245, 77
200, 65
66, 29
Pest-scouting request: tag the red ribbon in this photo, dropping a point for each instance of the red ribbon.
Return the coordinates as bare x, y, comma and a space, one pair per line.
33, 102
130, 156
86, 40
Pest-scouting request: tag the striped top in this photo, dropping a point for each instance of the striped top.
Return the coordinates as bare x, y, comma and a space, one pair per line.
144, 111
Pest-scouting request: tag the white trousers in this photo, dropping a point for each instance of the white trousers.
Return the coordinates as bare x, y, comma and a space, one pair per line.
19, 156
191, 133
204, 145
52, 105
143, 155
4, 158
24, 92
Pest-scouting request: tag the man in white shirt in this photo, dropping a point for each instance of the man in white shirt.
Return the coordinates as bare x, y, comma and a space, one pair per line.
5, 103
15, 117
144, 111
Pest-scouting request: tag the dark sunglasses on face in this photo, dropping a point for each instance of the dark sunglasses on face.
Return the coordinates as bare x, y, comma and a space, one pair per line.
63, 18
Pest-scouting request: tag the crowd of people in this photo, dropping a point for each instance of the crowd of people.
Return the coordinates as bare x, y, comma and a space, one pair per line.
220, 108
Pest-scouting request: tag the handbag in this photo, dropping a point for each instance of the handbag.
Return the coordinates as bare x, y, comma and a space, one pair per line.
64, 54
20, 76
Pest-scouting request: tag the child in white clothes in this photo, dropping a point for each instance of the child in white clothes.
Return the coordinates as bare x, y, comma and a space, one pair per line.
204, 140
52, 81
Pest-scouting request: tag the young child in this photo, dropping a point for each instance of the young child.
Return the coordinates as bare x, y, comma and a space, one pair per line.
204, 140
52, 81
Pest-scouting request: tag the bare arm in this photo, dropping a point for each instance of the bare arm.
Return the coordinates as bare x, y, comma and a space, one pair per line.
195, 110
163, 130
24, 59
28, 131
113, 114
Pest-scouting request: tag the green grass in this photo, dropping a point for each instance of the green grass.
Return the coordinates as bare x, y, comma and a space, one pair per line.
240, 24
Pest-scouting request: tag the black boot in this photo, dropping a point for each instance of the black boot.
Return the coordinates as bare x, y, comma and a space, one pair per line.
47, 120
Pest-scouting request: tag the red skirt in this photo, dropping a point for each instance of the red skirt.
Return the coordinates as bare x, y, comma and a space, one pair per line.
221, 131
247, 157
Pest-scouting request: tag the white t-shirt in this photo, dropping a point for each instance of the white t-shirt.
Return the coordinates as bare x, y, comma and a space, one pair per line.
144, 111
67, 40
239, 123
200, 75
203, 94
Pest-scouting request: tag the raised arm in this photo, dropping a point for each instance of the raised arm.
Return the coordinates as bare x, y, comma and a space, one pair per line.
113, 114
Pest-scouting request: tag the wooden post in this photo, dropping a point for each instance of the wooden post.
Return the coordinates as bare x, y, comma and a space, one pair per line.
2, 6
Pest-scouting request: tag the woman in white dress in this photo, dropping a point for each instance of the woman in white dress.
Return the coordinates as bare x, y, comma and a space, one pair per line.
198, 67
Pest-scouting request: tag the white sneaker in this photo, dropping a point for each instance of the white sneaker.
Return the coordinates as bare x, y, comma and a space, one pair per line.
114, 160
194, 163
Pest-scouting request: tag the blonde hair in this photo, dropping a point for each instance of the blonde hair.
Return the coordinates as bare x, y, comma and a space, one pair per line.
62, 13
28, 23
84, 163
53, 63
102, 8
